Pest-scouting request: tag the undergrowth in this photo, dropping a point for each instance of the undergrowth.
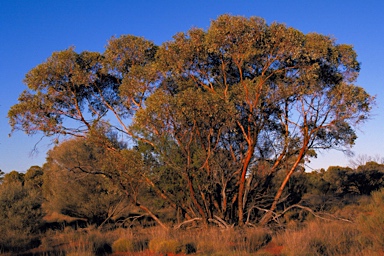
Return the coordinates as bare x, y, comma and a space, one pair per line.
358, 231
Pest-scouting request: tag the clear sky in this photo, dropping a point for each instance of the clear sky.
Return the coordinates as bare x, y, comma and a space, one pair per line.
31, 30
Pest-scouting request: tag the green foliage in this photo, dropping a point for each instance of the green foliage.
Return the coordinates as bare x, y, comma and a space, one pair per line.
20, 213
75, 185
13, 177
33, 178
123, 245
370, 166
363, 181
165, 246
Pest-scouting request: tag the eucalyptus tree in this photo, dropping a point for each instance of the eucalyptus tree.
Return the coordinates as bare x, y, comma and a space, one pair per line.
218, 112
257, 92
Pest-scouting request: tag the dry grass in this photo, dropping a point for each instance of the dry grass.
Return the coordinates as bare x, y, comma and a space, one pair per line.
371, 223
321, 238
123, 245
364, 236
78, 242
316, 237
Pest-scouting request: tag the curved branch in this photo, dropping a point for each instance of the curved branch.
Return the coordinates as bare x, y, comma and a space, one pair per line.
186, 222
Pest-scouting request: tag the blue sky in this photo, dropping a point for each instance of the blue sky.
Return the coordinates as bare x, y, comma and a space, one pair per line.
31, 30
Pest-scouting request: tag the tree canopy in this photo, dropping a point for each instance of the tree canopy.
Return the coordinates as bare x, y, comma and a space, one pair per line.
211, 117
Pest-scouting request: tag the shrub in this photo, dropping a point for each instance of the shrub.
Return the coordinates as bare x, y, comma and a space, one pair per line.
189, 248
165, 246
20, 215
123, 245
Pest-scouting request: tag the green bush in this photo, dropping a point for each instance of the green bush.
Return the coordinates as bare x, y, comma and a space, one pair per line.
123, 245
20, 214
165, 246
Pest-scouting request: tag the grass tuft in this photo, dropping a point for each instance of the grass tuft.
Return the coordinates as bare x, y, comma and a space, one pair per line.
123, 245
165, 246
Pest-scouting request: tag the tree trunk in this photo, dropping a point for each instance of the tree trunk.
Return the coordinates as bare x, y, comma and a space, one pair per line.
195, 202
150, 213
267, 217
241, 199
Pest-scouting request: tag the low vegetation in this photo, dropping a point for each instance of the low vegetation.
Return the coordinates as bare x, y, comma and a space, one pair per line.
330, 214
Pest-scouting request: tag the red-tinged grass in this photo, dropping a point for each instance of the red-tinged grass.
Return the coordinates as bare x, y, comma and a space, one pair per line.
273, 249
147, 253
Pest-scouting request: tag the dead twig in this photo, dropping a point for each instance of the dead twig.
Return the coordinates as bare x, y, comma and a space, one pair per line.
186, 222
313, 213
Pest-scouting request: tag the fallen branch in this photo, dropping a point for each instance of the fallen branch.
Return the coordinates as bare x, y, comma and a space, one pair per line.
225, 224
187, 221
312, 212
217, 222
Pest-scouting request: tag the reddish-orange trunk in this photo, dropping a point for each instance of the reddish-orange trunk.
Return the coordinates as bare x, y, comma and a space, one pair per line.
242, 180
